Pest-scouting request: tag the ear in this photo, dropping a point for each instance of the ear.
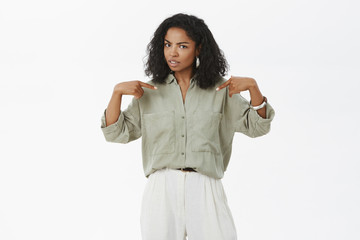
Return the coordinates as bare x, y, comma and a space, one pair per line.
198, 49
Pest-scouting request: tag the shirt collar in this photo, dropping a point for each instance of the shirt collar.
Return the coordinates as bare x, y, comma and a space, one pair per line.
171, 78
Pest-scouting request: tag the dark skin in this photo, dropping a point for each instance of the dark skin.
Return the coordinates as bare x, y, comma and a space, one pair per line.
180, 52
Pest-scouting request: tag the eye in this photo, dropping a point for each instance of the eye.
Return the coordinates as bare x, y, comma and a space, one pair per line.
167, 44
183, 46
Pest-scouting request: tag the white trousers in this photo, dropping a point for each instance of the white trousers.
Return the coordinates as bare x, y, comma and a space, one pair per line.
177, 204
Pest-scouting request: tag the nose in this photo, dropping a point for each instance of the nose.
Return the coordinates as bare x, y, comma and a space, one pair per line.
173, 52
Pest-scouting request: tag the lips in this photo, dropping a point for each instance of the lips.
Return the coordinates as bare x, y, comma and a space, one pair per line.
173, 63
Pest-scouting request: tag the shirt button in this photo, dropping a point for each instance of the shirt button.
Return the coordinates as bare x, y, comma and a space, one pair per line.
182, 117
182, 135
182, 153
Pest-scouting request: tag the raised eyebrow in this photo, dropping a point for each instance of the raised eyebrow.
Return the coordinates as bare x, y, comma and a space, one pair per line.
178, 42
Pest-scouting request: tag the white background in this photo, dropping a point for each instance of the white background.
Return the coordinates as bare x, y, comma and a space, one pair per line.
59, 62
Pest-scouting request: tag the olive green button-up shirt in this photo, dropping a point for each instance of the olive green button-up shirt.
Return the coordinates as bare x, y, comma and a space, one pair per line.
198, 133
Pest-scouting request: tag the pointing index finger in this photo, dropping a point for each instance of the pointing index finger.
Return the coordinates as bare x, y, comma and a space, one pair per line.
147, 85
225, 84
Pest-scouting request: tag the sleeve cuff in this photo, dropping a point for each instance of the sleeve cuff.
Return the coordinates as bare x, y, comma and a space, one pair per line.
112, 127
270, 113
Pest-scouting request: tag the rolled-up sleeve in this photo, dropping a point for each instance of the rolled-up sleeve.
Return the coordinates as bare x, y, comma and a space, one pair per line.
128, 126
246, 120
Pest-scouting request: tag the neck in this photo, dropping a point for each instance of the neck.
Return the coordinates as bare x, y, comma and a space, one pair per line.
184, 76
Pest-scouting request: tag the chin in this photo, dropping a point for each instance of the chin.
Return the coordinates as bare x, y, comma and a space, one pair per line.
173, 69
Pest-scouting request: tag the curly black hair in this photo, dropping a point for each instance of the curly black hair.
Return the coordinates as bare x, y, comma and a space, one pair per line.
212, 61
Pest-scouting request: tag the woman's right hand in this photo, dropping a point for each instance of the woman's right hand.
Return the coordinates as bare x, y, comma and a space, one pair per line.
132, 88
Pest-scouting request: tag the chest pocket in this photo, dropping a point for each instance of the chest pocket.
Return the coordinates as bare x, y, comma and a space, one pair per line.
159, 132
204, 135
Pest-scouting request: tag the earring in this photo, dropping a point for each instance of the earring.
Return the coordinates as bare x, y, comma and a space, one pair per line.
197, 62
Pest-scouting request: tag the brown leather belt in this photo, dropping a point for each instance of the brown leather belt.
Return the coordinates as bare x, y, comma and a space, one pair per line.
187, 169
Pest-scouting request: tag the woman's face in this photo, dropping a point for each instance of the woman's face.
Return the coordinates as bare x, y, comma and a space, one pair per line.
179, 50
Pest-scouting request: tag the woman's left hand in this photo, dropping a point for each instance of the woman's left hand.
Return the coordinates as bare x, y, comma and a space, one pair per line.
238, 84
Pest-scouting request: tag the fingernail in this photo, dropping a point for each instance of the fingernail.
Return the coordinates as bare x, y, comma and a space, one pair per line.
155, 87
217, 89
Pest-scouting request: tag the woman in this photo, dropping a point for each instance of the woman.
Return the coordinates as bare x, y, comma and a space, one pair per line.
187, 116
